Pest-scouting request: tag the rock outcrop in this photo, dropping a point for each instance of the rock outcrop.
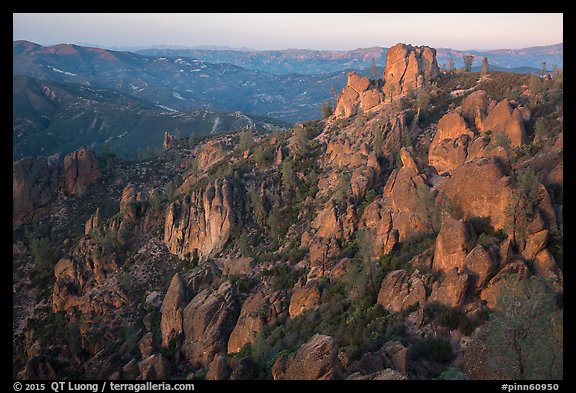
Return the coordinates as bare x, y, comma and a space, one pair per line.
358, 94
80, 171
508, 275
501, 118
93, 222
172, 310
481, 265
208, 321
304, 298
408, 67
479, 188
377, 221
169, 141
401, 193
211, 152
452, 291
316, 359
34, 184
449, 148
398, 291
258, 310
202, 223
455, 240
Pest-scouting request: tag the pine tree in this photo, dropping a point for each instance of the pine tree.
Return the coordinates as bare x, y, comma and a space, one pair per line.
485, 66
543, 71
468, 63
450, 64
374, 72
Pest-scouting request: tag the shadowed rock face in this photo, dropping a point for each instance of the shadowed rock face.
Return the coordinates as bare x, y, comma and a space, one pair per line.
208, 320
80, 171
34, 184
408, 67
172, 308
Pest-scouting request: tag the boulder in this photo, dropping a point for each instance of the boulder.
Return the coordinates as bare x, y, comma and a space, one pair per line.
172, 309
377, 220
448, 149
535, 243
452, 291
218, 369
146, 345
398, 354
398, 291
454, 241
546, 267
154, 367
479, 188
251, 320
481, 266
317, 359
510, 273
475, 108
501, 118
304, 298
448, 154
208, 320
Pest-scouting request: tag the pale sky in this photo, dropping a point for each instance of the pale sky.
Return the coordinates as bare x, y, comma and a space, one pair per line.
339, 31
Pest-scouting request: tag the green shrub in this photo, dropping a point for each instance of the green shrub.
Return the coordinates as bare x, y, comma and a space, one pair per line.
244, 283
434, 349
284, 277
448, 317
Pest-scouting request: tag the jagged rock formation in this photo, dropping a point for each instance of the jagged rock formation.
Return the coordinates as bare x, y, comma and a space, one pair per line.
359, 94
212, 152
258, 310
84, 282
455, 240
408, 67
202, 224
80, 171
393, 224
169, 141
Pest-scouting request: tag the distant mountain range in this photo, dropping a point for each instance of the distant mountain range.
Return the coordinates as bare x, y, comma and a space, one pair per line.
180, 83
59, 117
306, 61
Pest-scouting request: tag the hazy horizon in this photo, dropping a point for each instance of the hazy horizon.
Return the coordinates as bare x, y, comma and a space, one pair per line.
338, 32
